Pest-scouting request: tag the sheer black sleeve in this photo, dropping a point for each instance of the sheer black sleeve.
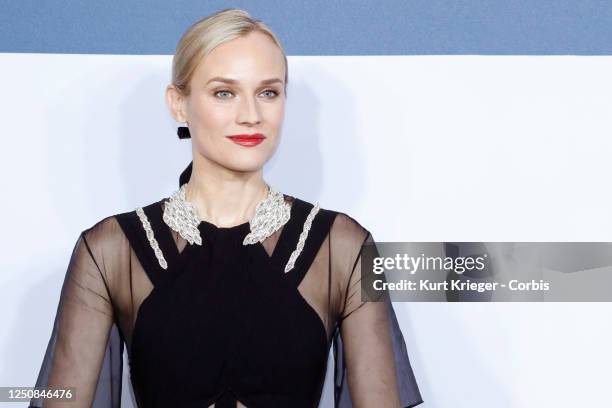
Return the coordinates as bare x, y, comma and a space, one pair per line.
371, 360
85, 350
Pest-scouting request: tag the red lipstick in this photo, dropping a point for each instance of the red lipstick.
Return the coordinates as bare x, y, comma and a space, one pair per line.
247, 140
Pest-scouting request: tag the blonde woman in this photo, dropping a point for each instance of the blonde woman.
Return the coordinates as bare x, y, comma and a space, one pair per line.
227, 293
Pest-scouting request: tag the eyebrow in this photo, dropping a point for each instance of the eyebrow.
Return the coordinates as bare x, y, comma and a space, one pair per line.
234, 81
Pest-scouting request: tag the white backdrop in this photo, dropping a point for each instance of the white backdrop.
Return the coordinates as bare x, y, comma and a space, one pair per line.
416, 148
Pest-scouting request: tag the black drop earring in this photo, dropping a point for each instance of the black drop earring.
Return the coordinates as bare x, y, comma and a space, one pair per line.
183, 132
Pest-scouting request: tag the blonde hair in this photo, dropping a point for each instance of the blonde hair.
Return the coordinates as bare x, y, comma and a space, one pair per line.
209, 32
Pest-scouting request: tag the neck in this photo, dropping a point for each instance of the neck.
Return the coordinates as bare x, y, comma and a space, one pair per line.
223, 197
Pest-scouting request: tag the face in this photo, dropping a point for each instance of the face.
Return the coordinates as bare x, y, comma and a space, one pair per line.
236, 105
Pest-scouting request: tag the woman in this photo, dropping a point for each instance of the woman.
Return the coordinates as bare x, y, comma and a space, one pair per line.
227, 293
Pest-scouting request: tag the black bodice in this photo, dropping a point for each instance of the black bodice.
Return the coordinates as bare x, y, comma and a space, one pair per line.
224, 322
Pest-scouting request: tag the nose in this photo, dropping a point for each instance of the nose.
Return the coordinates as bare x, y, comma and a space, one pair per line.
248, 112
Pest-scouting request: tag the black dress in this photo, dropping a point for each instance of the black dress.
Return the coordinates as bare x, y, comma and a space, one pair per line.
223, 323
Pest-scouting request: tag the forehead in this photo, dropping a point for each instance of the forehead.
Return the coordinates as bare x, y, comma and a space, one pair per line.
249, 58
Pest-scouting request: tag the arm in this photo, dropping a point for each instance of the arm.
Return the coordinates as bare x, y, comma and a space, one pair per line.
82, 326
368, 350
372, 364
369, 359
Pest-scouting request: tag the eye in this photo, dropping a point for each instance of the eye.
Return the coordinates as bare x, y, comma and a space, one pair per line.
223, 91
222, 94
273, 92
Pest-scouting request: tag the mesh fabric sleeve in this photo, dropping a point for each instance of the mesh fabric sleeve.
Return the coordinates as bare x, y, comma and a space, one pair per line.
372, 367
85, 350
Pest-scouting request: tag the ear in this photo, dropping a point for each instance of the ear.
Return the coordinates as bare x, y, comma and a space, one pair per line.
175, 102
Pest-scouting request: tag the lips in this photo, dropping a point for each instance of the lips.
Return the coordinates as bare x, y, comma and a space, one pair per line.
247, 140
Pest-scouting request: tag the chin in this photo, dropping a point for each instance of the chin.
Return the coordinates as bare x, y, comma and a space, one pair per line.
243, 160
248, 163
248, 159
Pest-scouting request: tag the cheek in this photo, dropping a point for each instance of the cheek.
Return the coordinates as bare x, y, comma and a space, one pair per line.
276, 114
211, 116
216, 119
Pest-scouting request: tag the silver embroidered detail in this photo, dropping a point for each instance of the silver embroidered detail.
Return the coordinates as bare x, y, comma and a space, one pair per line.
270, 215
300, 245
147, 227
180, 215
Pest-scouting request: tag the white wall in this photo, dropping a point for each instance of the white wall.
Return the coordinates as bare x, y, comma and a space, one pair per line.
432, 148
